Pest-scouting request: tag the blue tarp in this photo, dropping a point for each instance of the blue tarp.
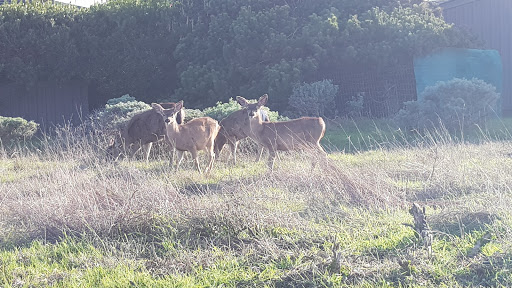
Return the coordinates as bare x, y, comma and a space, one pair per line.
452, 63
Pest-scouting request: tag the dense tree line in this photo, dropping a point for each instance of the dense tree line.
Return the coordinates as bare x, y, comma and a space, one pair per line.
206, 51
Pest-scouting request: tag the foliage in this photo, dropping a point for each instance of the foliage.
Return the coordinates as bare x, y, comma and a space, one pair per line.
122, 99
456, 103
192, 113
205, 52
315, 99
119, 47
274, 115
117, 111
126, 46
222, 110
255, 47
12, 129
354, 107
37, 43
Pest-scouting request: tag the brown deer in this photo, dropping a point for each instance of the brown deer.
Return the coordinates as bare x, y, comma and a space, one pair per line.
141, 131
298, 134
232, 131
196, 135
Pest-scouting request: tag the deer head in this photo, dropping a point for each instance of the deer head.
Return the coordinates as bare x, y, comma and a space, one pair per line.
252, 108
168, 114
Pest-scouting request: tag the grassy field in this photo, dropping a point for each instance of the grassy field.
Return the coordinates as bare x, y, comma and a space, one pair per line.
68, 218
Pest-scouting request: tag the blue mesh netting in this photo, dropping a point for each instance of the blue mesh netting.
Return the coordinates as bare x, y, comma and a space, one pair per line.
452, 63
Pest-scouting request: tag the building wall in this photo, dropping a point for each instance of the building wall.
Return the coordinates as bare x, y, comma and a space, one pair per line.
46, 103
491, 21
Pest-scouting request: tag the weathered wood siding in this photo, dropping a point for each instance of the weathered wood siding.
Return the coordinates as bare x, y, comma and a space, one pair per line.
491, 21
46, 103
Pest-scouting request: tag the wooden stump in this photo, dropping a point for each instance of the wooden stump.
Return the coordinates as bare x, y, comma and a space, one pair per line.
421, 226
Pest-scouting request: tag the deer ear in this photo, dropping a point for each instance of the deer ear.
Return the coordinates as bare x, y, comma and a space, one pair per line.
263, 100
242, 101
178, 106
157, 107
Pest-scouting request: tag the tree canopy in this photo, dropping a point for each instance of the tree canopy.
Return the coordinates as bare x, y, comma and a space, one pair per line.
205, 51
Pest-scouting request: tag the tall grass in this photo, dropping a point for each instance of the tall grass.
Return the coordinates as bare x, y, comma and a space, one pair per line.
69, 217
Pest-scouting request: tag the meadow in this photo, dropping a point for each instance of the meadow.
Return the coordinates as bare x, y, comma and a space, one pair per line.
69, 218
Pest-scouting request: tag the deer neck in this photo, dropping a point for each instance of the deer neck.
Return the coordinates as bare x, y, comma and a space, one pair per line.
174, 128
255, 126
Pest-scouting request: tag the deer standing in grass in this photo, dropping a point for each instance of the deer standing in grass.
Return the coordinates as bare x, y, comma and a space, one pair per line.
196, 135
232, 131
141, 131
298, 134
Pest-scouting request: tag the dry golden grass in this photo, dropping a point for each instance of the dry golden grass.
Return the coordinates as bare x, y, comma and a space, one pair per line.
339, 224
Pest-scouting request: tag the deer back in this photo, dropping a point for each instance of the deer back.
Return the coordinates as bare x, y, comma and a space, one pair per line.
233, 125
197, 134
290, 135
145, 127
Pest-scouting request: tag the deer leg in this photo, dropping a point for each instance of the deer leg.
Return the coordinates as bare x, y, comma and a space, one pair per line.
133, 149
260, 154
317, 157
147, 148
173, 151
180, 158
233, 151
173, 154
211, 159
271, 159
196, 160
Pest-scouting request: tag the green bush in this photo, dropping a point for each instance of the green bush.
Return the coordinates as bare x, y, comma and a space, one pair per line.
315, 99
454, 104
123, 99
355, 106
222, 110
192, 113
12, 129
117, 111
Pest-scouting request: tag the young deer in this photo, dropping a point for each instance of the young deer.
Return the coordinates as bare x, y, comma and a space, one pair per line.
298, 134
232, 131
141, 131
196, 135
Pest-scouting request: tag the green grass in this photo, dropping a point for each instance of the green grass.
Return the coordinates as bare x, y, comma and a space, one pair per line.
70, 219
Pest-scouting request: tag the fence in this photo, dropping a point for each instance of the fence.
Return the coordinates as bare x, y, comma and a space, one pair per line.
489, 20
383, 91
46, 103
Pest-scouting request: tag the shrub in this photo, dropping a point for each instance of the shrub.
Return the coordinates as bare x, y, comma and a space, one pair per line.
454, 103
12, 129
123, 99
315, 99
222, 110
192, 113
117, 111
355, 106
274, 115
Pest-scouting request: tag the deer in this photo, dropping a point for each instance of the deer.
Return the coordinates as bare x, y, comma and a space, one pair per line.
141, 131
231, 131
196, 135
297, 134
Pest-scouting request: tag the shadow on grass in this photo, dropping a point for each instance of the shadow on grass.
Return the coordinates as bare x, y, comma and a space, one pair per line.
491, 271
460, 223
